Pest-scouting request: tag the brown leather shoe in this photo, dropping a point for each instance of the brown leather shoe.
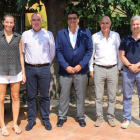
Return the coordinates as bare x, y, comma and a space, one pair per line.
111, 122
98, 122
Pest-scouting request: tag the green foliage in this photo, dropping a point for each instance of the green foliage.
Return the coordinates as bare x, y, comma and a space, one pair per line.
12, 6
22, 3
91, 11
7, 6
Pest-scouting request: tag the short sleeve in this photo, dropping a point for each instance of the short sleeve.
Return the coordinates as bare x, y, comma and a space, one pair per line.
122, 44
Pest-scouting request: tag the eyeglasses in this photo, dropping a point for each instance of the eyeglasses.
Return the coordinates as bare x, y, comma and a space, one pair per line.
36, 20
72, 18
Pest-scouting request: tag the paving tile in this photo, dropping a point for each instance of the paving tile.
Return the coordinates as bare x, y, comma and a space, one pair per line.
85, 131
71, 121
78, 137
35, 132
107, 134
106, 126
39, 126
26, 138
99, 138
11, 137
40, 134
65, 128
42, 139
131, 129
128, 136
53, 119
55, 135
23, 123
38, 120
90, 123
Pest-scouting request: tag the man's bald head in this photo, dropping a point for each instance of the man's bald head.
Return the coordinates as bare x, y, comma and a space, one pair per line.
105, 18
36, 21
36, 14
105, 24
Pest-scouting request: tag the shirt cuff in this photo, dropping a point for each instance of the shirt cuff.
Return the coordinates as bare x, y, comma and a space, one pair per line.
91, 68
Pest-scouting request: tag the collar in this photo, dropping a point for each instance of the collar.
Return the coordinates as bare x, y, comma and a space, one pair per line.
101, 34
131, 37
35, 32
3, 34
76, 29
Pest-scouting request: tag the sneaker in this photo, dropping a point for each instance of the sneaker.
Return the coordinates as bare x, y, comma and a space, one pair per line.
98, 122
125, 124
111, 122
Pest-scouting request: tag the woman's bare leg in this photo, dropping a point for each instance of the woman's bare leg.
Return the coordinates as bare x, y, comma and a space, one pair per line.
15, 100
2, 99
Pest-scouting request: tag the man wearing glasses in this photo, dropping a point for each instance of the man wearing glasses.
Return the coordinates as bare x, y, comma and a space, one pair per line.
73, 52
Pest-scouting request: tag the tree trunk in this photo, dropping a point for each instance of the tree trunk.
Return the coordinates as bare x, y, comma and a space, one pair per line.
54, 11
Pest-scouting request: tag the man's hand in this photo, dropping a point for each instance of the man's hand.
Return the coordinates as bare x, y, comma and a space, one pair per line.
91, 74
137, 70
134, 68
77, 68
69, 69
119, 72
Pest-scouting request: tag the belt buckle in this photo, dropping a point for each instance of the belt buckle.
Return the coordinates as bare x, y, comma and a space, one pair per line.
37, 65
109, 67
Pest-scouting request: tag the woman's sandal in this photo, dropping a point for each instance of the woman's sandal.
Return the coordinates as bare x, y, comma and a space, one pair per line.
4, 131
17, 129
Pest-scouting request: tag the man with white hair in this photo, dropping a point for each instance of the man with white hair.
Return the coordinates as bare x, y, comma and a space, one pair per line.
130, 56
38, 48
105, 53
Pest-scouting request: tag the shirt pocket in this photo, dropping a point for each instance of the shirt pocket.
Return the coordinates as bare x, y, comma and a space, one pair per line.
44, 43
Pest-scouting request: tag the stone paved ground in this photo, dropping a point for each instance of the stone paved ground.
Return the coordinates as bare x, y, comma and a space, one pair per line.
71, 129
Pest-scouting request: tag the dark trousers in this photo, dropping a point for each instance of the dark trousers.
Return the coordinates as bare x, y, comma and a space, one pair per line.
38, 78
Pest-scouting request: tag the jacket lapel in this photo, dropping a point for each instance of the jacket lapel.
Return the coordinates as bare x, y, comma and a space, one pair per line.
66, 32
78, 38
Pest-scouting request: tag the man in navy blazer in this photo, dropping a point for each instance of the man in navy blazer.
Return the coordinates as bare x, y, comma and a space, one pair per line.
73, 52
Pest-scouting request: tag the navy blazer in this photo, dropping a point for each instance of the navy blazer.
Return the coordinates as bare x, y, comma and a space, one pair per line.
81, 54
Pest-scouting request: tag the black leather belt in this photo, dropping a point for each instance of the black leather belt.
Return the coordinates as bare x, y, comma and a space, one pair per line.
107, 67
38, 65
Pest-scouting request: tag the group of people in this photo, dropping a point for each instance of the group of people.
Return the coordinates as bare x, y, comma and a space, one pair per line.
78, 53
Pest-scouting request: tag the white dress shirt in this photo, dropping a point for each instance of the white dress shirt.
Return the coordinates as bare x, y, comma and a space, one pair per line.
38, 48
73, 37
105, 51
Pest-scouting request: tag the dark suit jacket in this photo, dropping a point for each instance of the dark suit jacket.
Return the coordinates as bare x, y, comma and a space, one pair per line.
67, 56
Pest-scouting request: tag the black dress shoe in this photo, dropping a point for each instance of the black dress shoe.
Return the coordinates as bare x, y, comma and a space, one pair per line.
29, 126
82, 123
48, 126
60, 122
